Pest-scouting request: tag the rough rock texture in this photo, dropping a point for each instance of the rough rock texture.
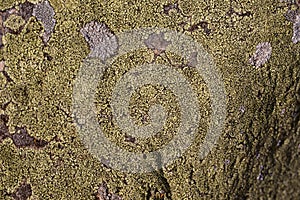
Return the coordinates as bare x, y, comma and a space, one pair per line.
257, 154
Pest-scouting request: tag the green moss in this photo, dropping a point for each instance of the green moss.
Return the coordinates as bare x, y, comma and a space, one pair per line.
14, 22
41, 97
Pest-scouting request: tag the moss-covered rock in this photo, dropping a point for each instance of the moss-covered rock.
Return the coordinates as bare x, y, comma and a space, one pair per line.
255, 157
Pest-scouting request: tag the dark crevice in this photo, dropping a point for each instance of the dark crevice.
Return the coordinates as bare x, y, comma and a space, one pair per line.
231, 12
173, 7
169, 7
8, 78
148, 194
22, 139
201, 24
192, 26
4, 133
166, 189
25, 11
23, 192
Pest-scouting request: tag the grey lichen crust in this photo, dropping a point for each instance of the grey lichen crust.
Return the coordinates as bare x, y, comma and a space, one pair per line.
156, 42
296, 29
102, 41
44, 12
262, 54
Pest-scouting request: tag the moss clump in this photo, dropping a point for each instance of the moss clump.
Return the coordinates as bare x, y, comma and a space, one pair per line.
14, 22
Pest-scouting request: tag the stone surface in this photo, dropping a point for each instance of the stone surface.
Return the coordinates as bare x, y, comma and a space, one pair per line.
257, 155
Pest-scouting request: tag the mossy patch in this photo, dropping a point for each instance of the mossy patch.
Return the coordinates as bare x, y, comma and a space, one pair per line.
14, 22
256, 155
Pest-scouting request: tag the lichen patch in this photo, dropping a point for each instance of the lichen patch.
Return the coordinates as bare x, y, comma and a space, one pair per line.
44, 12
262, 54
102, 41
296, 30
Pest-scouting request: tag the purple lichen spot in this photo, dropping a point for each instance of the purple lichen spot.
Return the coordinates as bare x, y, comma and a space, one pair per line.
102, 41
260, 177
104, 194
262, 54
242, 109
22, 139
157, 43
44, 12
291, 15
193, 61
227, 162
2, 65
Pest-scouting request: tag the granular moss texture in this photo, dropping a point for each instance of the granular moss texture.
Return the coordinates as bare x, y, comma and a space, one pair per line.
256, 156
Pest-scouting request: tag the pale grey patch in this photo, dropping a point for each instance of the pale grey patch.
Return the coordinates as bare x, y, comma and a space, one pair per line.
44, 12
193, 59
102, 41
262, 54
2, 65
296, 30
157, 42
291, 15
